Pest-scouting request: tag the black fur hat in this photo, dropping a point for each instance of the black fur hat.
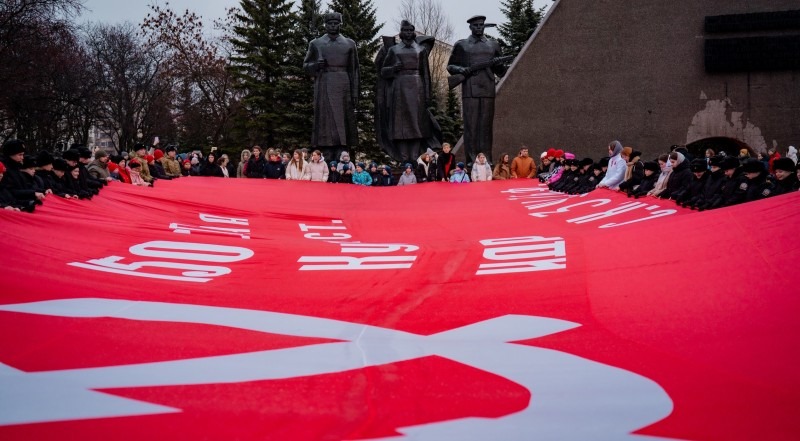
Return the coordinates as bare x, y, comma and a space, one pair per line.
13, 147
586, 161
753, 166
44, 158
71, 155
729, 162
604, 161
784, 164
698, 165
84, 153
652, 166
29, 162
60, 165
716, 161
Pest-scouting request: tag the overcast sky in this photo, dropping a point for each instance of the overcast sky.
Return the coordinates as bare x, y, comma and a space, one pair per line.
113, 11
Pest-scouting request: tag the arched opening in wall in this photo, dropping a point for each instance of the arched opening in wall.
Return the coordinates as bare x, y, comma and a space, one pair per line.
731, 146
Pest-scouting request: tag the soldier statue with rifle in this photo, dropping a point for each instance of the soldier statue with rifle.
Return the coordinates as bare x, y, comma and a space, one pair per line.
474, 63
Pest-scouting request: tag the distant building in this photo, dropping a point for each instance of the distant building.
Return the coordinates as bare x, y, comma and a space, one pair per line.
98, 137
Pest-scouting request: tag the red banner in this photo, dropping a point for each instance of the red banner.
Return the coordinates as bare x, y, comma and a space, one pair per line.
239, 309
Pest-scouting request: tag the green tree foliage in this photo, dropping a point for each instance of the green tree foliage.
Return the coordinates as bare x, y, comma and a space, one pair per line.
451, 122
264, 34
359, 24
523, 19
296, 89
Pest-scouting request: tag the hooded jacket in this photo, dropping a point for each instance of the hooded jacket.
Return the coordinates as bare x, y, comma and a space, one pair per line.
616, 169
679, 179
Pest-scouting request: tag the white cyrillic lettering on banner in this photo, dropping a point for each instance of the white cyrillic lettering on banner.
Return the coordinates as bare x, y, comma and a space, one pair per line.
653, 215
337, 263
192, 273
187, 229
213, 253
195, 252
304, 227
624, 208
363, 248
332, 236
593, 203
212, 219
356, 263
530, 253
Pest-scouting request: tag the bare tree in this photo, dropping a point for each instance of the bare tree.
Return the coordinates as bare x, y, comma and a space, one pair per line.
41, 60
198, 67
135, 95
429, 18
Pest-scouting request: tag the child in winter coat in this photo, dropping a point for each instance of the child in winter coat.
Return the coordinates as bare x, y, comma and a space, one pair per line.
361, 177
459, 175
134, 170
386, 180
408, 177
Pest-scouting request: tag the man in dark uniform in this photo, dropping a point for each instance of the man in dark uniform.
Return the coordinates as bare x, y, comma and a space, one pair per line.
333, 61
478, 89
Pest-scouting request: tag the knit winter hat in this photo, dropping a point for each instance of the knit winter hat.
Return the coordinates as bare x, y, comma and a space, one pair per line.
134, 164
158, 154
100, 154
559, 153
150, 158
551, 152
460, 165
2, 168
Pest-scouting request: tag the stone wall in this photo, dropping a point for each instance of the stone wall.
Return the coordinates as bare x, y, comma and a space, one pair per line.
602, 70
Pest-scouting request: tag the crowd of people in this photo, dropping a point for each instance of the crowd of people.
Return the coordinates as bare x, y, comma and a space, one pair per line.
713, 181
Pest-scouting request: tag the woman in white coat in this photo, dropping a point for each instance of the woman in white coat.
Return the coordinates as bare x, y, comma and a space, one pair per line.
297, 168
617, 165
481, 169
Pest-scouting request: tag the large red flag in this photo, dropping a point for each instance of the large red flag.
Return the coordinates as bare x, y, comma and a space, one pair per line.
239, 309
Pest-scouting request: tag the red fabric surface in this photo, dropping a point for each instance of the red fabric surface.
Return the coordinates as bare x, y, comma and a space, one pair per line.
703, 304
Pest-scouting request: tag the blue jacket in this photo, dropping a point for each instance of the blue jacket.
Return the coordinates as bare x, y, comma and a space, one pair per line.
362, 178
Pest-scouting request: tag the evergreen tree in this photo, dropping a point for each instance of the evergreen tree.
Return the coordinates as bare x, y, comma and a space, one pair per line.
452, 125
263, 37
359, 24
296, 89
522, 21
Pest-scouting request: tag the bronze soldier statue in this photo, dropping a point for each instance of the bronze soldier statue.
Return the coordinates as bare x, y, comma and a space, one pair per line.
406, 65
478, 60
333, 62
